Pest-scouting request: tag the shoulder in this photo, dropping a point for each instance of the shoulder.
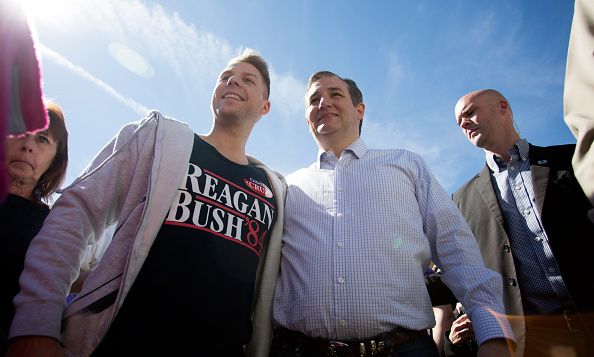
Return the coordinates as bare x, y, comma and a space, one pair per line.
468, 187
14, 202
398, 164
254, 161
395, 153
565, 150
272, 174
153, 122
298, 175
556, 155
154, 117
397, 157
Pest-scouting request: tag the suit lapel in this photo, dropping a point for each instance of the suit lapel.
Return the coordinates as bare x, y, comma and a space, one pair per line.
485, 188
540, 176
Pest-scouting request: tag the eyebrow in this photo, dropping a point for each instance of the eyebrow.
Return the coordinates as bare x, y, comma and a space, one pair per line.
242, 73
331, 89
335, 89
47, 133
465, 111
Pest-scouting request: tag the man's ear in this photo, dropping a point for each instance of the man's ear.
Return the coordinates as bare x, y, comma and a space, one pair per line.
265, 108
360, 111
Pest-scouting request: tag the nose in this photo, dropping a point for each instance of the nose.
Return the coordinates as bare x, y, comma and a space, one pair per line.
323, 102
27, 143
232, 80
464, 123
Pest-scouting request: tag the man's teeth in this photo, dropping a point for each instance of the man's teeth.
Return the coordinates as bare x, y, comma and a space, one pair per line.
234, 96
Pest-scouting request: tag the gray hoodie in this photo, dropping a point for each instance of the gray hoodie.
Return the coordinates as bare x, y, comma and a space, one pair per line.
128, 183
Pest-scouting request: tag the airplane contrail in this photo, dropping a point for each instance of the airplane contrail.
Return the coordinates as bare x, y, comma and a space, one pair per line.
63, 61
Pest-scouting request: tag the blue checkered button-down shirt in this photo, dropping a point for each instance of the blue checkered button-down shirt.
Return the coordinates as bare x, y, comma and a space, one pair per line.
542, 287
359, 232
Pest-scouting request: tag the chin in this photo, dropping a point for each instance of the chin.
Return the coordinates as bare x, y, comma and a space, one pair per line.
323, 129
323, 133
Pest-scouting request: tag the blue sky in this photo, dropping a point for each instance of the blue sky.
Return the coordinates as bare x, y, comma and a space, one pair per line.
106, 61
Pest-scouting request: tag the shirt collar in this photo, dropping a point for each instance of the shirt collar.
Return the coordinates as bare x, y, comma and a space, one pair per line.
357, 147
520, 148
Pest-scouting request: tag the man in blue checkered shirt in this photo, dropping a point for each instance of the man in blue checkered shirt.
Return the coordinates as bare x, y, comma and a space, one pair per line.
361, 227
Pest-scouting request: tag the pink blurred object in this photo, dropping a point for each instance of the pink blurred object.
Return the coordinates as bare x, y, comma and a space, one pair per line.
21, 100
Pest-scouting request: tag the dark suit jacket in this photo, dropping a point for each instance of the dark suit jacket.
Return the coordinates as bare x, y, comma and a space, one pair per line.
563, 208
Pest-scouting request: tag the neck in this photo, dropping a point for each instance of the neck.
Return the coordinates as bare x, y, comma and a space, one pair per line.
21, 189
502, 149
230, 144
336, 146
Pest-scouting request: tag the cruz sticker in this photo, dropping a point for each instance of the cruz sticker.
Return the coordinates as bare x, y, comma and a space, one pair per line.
258, 187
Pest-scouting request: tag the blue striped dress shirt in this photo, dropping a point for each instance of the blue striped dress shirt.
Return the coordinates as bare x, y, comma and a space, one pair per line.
359, 232
542, 286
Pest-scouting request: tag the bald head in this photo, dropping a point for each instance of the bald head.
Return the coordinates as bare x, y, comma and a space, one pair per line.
486, 120
487, 95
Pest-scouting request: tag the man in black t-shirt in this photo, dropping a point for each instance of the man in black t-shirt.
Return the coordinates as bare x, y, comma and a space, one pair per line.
198, 285
216, 229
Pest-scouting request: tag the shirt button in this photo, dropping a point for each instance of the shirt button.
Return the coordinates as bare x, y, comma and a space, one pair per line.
341, 280
538, 238
517, 187
506, 248
552, 270
527, 211
512, 281
339, 215
339, 189
342, 323
512, 168
340, 244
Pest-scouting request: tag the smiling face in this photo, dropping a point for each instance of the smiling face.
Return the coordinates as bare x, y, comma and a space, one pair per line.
27, 159
240, 93
332, 117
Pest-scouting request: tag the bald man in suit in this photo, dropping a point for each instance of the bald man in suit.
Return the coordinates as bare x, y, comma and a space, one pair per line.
528, 214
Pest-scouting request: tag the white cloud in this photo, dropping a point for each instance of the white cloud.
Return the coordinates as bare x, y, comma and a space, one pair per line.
163, 37
287, 95
395, 69
186, 49
63, 61
483, 28
153, 32
387, 135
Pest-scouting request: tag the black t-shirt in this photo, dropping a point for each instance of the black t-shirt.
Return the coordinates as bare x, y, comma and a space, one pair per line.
194, 292
20, 221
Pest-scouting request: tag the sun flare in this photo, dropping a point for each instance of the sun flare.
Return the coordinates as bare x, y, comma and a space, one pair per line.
60, 13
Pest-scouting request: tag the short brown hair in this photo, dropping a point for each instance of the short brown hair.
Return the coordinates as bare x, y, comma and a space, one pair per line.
51, 180
252, 57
